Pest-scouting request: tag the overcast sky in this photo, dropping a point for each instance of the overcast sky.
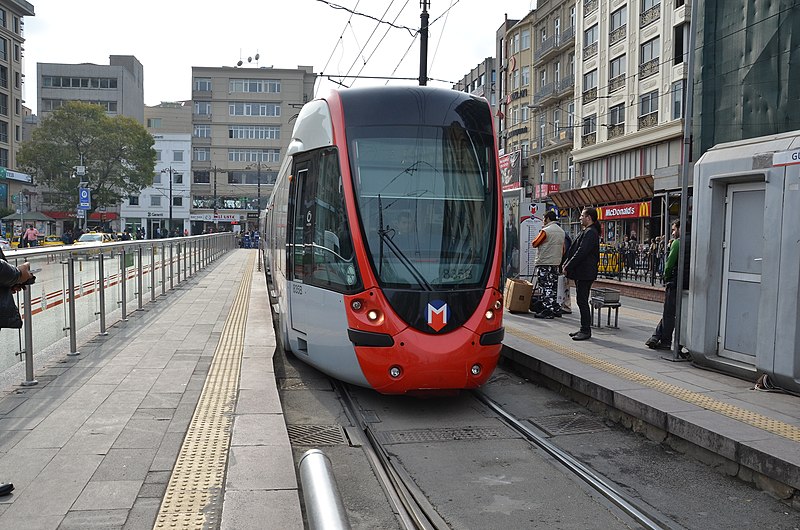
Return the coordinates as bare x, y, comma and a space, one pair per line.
170, 36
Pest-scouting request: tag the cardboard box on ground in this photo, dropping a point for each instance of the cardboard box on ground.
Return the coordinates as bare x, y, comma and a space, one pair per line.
518, 295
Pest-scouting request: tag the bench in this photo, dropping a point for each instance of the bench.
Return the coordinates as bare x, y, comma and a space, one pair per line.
605, 298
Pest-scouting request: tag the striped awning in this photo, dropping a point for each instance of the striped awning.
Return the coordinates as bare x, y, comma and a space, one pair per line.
631, 190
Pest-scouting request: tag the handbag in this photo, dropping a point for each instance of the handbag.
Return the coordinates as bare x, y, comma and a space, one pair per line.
9, 314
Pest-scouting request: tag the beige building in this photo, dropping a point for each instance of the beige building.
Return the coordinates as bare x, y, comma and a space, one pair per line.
241, 124
592, 96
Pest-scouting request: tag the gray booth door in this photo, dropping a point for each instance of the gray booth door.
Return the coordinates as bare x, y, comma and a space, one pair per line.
741, 278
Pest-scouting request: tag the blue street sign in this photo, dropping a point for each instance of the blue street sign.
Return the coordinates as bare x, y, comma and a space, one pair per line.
84, 199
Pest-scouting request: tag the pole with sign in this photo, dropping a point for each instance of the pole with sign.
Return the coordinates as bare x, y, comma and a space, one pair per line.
84, 202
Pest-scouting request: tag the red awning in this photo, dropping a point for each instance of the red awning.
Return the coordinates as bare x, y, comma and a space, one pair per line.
622, 191
61, 215
103, 216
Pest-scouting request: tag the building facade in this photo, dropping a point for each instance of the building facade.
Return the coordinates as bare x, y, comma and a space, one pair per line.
481, 81
241, 123
117, 87
15, 187
594, 93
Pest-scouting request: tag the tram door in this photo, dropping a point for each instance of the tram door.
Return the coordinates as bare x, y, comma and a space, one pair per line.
300, 248
743, 249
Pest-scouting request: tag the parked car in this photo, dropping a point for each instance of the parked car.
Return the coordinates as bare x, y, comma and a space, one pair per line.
5, 244
50, 241
94, 237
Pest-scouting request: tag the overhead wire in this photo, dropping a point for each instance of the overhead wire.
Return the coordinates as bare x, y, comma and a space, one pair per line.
338, 42
361, 51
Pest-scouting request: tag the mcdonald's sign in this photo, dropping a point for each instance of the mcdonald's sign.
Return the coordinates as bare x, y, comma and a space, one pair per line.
624, 211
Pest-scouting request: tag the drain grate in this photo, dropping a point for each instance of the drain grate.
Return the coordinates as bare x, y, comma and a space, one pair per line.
443, 435
316, 434
294, 383
569, 424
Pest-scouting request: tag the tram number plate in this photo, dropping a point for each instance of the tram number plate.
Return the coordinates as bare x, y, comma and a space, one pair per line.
297, 289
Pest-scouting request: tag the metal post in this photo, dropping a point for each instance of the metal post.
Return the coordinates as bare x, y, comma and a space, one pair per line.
101, 286
153, 273
178, 250
123, 272
171, 273
259, 187
423, 43
163, 271
185, 259
324, 506
687, 149
139, 281
73, 332
170, 201
29, 380
216, 221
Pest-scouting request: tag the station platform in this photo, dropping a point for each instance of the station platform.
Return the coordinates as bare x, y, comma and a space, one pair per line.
173, 420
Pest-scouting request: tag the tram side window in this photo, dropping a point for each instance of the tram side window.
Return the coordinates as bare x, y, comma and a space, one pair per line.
333, 263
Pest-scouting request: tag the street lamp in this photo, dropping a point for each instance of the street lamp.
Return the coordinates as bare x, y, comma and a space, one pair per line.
258, 165
169, 170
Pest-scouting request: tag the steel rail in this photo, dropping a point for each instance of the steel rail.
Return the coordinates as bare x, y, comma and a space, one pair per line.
407, 500
595, 481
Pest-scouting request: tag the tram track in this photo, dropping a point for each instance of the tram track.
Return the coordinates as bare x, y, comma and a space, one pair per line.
415, 511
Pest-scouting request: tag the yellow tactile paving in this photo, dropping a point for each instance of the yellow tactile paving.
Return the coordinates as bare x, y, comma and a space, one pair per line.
194, 493
701, 400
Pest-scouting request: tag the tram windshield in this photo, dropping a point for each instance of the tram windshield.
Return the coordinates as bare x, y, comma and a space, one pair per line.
427, 198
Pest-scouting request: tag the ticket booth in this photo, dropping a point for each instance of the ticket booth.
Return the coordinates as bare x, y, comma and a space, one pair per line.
745, 277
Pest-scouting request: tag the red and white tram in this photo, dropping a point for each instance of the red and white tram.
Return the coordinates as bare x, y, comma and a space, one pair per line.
383, 239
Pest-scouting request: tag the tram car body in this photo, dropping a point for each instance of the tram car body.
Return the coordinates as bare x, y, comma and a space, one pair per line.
384, 239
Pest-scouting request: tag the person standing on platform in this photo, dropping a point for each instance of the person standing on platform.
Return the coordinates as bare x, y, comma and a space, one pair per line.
581, 266
550, 245
662, 336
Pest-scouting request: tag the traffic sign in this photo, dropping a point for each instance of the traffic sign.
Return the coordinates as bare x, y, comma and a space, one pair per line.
84, 198
81, 214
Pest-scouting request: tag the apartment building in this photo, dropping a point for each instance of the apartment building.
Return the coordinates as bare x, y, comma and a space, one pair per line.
598, 114
481, 81
15, 187
118, 87
241, 123
164, 206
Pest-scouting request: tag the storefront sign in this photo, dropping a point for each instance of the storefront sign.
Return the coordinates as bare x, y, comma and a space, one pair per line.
625, 211
543, 190
226, 217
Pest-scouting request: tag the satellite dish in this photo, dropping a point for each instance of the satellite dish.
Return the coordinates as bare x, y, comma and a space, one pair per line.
257, 56
239, 63
249, 59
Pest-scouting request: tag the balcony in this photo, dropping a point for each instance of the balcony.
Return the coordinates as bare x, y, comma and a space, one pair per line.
615, 131
201, 117
648, 120
616, 83
590, 51
201, 140
589, 139
589, 7
649, 68
617, 35
201, 94
568, 35
565, 84
546, 46
544, 93
589, 95
650, 16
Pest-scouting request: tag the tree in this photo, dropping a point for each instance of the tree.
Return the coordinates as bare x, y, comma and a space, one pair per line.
117, 152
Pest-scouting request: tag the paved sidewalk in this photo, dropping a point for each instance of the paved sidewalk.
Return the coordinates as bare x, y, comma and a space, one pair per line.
758, 433
94, 444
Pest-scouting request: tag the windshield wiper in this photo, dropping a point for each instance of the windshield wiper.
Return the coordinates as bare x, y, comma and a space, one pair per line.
407, 263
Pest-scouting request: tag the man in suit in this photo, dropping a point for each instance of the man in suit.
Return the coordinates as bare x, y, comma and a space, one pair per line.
581, 266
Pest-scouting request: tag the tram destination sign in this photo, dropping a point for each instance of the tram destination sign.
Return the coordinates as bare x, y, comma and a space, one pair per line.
786, 158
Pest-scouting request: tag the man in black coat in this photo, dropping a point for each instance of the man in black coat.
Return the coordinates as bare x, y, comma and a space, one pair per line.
581, 266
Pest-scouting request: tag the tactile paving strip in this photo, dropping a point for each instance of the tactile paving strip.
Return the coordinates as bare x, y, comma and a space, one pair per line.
195, 489
754, 419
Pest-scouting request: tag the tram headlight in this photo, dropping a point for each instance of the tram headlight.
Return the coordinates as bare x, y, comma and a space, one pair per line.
395, 372
489, 314
373, 315
476, 369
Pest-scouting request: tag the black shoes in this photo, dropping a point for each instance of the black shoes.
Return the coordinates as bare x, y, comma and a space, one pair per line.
6, 488
544, 314
654, 343
581, 335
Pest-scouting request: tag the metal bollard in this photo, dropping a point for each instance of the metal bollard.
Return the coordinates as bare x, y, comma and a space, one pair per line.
29, 380
139, 282
73, 332
101, 285
324, 507
123, 272
153, 273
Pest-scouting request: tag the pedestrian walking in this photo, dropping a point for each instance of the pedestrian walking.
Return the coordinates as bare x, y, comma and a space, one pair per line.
550, 245
581, 267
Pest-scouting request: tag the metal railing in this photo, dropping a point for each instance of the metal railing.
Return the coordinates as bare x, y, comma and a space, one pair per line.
641, 263
81, 285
